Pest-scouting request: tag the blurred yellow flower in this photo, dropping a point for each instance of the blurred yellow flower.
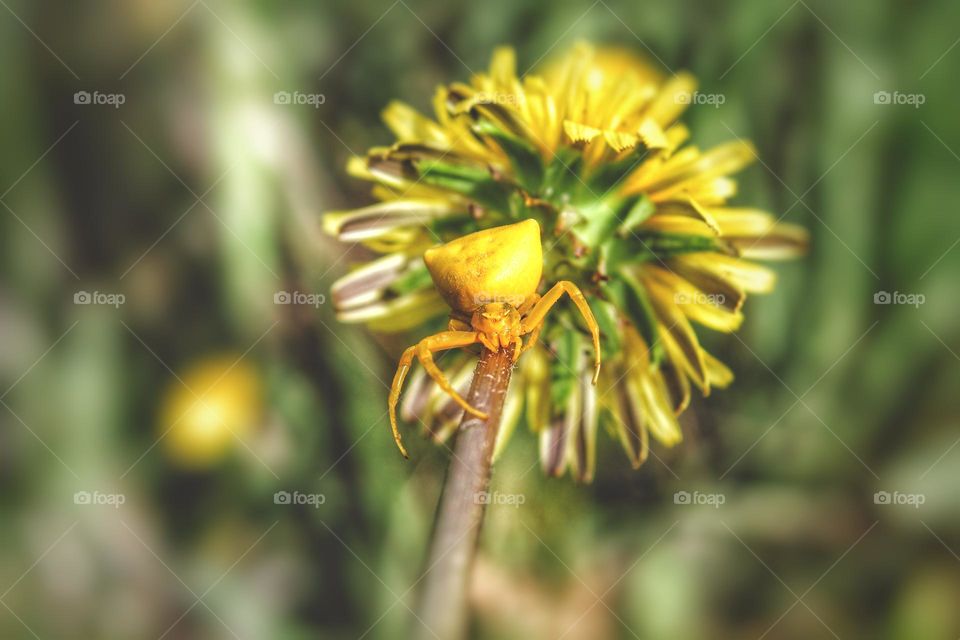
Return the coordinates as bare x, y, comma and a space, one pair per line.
218, 401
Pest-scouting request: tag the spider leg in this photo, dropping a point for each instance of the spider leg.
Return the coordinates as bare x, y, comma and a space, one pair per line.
438, 342
534, 319
456, 324
523, 310
528, 304
532, 340
402, 369
490, 343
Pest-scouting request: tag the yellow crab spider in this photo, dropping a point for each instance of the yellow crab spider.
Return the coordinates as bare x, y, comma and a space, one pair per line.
489, 279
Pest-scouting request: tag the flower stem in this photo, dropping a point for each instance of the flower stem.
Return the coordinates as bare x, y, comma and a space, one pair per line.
443, 607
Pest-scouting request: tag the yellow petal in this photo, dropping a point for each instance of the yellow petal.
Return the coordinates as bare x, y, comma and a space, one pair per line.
411, 126
718, 374
379, 219
712, 192
703, 271
674, 324
536, 377
672, 99
367, 283
675, 370
742, 221
398, 314
503, 66
742, 274
722, 160
661, 421
580, 133
677, 224
701, 310
630, 422
783, 242
619, 141
652, 135
510, 416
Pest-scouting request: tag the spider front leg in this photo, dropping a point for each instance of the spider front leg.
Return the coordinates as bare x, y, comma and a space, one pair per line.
532, 340
524, 309
424, 351
528, 304
534, 319
456, 324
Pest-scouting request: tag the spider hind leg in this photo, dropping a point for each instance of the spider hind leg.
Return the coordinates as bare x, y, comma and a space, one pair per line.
423, 350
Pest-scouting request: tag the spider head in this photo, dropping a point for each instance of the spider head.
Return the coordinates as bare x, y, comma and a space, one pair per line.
496, 319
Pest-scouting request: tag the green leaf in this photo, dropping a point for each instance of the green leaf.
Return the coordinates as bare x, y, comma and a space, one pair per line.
599, 221
525, 159
640, 209
457, 177
563, 174
471, 181
454, 226
613, 214
667, 245
629, 295
608, 176
646, 247
413, 280
606, 315
564, 375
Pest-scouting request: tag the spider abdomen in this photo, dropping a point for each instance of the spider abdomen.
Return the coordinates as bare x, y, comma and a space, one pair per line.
502, 264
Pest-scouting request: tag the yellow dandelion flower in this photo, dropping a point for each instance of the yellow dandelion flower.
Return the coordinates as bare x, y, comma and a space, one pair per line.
591, 148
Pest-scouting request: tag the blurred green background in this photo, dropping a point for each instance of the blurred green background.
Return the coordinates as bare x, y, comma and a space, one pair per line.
184, 188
